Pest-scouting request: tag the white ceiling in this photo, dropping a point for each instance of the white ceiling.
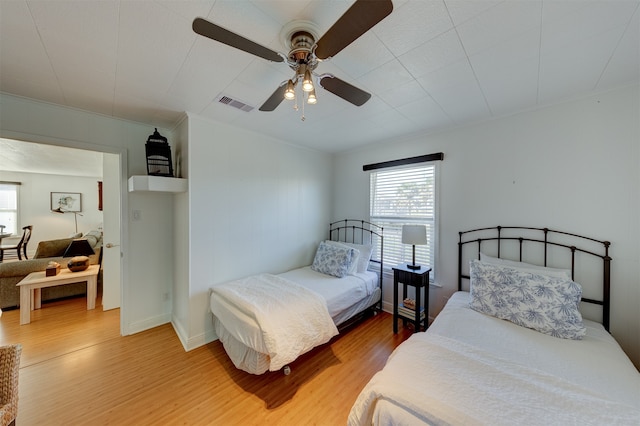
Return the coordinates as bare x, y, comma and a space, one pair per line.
430, 65
18, 156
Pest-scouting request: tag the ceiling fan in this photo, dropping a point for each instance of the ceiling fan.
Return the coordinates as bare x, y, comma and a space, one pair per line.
307, 51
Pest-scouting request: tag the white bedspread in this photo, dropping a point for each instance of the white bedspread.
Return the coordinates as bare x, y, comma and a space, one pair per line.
469, 368
339, 293
292, 318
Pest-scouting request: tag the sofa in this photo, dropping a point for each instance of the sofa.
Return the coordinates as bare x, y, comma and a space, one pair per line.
11, 273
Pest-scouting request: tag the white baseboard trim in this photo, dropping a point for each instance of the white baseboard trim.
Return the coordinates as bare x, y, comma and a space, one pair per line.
149, 323
190, 343
201, 340
180, 332
387, 307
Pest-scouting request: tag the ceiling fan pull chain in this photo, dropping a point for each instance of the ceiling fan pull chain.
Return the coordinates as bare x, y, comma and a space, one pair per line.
302, 118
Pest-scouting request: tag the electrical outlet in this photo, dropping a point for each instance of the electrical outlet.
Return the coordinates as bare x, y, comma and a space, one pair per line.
165, 297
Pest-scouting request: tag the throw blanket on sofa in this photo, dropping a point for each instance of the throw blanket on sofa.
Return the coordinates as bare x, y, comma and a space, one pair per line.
292, 318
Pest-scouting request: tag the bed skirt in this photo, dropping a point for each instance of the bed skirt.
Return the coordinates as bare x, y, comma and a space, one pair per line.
242, 356
254, 362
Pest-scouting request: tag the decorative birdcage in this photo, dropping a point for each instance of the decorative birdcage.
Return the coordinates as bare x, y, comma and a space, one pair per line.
158, 155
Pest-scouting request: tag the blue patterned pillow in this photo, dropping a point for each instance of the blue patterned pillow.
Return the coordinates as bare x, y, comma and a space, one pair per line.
333, 260
540, 302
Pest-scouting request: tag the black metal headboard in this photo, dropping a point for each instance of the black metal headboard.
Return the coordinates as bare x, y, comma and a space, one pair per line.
360, 232
548, 239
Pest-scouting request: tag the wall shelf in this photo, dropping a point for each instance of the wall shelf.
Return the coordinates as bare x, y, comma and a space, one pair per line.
157, 184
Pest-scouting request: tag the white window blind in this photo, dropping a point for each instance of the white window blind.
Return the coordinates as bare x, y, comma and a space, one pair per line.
405, 196
9, 206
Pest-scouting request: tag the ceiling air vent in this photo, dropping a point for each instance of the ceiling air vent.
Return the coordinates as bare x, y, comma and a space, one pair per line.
224, 99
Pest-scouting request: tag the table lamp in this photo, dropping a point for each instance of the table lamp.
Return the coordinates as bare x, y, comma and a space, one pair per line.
78, 251
414, 235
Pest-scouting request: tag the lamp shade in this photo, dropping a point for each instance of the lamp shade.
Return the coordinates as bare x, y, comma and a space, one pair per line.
79, 247
414, 234
78, 251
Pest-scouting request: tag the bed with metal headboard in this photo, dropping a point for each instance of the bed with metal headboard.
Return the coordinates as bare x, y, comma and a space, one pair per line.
267, 321
361, 232
510, 346
537, 244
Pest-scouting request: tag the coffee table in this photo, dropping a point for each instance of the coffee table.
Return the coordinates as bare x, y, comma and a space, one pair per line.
31, 285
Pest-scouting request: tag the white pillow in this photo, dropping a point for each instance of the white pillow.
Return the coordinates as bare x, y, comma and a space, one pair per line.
333, 260
539, 302
527, 267
354, 260
366, 250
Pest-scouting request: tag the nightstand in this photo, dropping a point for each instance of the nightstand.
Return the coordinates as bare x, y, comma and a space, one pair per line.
419, 279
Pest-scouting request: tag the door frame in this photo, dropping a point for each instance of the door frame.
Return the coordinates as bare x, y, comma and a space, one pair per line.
124, 199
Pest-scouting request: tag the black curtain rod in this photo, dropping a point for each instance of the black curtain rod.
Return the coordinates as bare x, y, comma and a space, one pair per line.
404, 161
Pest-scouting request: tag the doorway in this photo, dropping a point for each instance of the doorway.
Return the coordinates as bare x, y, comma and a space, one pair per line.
68, 166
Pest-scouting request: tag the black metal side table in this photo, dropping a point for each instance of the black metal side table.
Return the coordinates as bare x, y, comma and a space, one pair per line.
419, 279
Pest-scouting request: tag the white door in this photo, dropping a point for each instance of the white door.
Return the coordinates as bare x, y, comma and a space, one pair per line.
111, 228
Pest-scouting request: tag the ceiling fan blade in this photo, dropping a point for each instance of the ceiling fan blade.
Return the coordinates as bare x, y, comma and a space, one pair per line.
346, 91
275, 98
217, 33
357, 20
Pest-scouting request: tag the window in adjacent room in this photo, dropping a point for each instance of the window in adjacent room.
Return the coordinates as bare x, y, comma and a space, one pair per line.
9, 206
400, 196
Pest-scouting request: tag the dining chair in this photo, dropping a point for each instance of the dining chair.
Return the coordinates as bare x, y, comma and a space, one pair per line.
21, 246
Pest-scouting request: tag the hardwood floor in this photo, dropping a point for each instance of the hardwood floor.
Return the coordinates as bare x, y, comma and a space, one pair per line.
76, 369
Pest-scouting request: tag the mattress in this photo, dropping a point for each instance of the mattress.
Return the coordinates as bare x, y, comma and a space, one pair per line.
242, 337
340, 293
470, 368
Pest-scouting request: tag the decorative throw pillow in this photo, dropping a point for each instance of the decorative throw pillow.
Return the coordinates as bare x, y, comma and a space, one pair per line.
527, 267
540, 302
93, 237
365, 250
333, 260
354, 262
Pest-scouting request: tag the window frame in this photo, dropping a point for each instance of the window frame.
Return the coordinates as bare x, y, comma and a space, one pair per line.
16, 211
391, 234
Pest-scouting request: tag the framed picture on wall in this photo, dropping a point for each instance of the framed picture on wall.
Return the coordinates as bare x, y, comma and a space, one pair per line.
66, 201
100, 195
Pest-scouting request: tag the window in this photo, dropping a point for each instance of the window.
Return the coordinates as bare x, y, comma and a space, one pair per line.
9, 206
402, 196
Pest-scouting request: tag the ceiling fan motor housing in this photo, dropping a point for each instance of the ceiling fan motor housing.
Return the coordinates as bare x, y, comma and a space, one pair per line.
301, 44
301, 54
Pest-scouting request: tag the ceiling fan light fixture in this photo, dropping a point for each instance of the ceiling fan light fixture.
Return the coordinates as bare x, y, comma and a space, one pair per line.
311, 97
290, 91
307, 83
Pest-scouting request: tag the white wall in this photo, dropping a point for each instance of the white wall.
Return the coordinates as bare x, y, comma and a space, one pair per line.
256, 205
571, 167
147, 246
182, 230
35, 208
